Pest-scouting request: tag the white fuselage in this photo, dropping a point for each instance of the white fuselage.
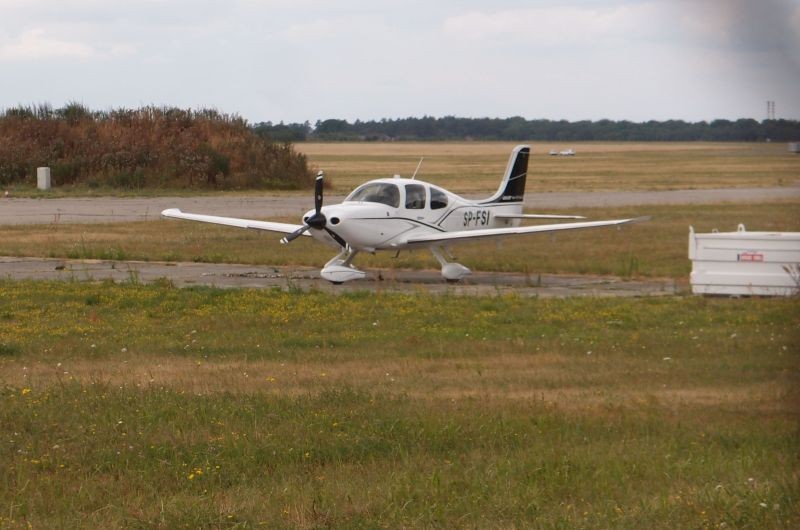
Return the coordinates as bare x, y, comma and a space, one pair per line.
384, 221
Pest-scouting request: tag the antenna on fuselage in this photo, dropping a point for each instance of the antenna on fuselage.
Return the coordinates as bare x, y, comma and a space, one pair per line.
418, 165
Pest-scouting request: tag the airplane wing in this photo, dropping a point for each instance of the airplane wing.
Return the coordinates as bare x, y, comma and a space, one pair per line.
534, 216
466, 235
285, 228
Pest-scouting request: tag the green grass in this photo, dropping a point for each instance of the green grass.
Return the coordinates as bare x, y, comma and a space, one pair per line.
150, 406
657, 248
95, 456
53, 320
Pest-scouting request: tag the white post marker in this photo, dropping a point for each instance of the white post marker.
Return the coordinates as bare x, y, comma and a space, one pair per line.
43, 178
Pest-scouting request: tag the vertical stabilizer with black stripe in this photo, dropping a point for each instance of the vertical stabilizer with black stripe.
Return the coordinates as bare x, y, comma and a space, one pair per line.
512, 188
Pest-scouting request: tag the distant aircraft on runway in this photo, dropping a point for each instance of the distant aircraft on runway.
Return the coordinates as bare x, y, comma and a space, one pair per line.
408, 214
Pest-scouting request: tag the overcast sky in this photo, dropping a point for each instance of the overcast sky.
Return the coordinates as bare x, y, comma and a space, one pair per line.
297, 60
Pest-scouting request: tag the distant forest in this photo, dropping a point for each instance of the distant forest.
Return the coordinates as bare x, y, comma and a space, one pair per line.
452, 128
153, 147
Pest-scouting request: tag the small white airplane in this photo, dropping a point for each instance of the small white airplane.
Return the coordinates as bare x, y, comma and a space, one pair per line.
408, 214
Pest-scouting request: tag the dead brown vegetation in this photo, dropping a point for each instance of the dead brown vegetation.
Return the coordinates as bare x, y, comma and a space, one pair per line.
145, 147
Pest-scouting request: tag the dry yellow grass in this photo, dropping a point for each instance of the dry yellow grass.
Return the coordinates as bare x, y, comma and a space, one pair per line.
470, 167
501, 378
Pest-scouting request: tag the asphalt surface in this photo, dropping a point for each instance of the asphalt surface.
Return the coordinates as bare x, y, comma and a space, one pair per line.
306, 278
118, 209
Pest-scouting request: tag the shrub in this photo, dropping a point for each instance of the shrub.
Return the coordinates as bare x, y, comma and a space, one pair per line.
150, 146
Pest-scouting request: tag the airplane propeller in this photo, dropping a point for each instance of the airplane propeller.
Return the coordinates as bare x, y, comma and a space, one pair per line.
318, 220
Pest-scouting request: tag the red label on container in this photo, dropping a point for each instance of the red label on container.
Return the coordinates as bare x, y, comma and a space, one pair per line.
750, 256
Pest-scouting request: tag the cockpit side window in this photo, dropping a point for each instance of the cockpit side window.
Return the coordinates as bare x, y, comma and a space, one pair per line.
380, 192
438, 199
415, 196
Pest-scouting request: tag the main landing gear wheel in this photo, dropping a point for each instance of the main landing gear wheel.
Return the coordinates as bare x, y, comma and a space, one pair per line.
452, 272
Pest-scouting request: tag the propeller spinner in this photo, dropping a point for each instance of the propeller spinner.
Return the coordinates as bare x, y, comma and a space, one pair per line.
318, 221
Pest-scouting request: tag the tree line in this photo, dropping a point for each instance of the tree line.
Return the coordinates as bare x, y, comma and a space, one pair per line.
517, 128
154, 147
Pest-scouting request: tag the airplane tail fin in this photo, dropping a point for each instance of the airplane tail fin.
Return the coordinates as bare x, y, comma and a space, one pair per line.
512, 187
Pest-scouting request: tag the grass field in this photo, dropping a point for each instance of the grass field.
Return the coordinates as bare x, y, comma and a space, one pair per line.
477, 166
151, 406
657, 248
147, 406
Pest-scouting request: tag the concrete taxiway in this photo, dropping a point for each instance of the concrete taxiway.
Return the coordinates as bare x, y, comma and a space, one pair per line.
125, 209
306, 278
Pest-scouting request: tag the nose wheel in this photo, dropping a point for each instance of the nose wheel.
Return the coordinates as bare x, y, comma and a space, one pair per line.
340, 269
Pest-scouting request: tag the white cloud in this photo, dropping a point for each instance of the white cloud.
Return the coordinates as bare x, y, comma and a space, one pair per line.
122, 50
768, 24
309, 59
36, 44
333, 29
559, 26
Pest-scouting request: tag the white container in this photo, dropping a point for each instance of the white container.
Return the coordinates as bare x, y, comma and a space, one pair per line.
745, 263
43, 178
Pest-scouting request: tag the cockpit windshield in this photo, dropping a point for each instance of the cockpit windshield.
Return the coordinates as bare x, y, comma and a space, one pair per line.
381, 192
